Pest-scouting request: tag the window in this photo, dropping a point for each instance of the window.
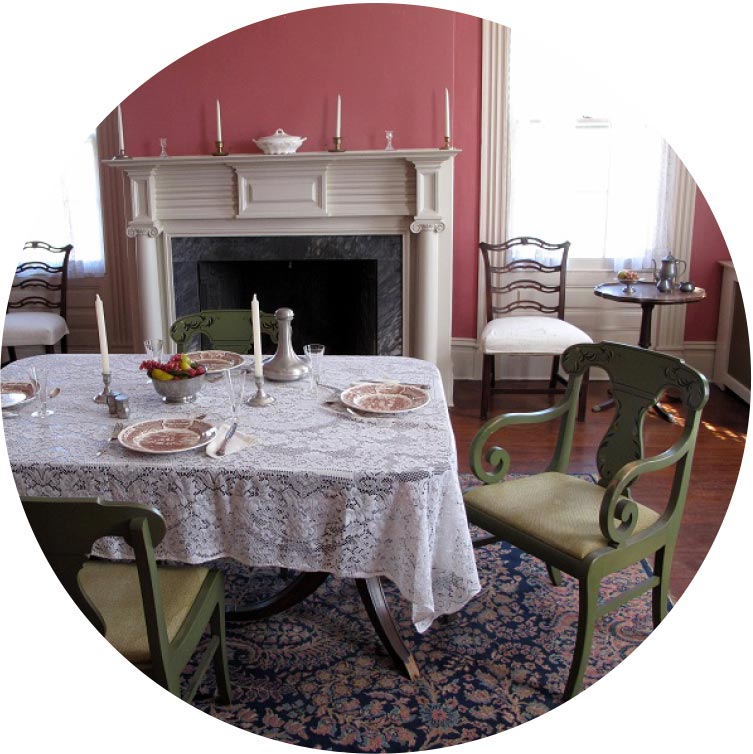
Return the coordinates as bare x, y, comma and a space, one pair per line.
73, 212
579, 172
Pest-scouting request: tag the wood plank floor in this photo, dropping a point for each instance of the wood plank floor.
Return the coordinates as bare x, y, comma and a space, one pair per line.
721, 441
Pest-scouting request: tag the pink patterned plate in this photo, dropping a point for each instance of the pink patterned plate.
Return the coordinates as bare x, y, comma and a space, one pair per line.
167, 435
16, 393
387, 398
216, 361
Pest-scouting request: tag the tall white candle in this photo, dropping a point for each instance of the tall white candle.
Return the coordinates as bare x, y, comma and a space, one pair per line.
446, 113
121, 142
100, 311
219, 122
256, 325
339, 116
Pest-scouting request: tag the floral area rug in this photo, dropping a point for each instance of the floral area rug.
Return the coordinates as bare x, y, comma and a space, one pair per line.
317, 675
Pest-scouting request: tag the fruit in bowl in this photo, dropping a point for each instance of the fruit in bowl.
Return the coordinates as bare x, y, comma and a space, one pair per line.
628, 276
178, 380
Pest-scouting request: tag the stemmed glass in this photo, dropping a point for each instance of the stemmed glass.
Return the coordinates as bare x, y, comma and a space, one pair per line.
388, 135
38, 379
314, 353
153, 348
235, 381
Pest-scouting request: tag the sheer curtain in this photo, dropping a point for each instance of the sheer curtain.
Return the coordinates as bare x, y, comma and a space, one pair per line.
579, 172
73, 212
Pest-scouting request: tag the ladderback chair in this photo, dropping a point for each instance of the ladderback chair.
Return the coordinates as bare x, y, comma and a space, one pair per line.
154, 616
226, 329
516, 284
591, 529
37, 306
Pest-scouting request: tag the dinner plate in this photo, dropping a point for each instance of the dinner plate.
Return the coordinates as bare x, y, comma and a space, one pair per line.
216, 361
167, 435
16, 393
385, 398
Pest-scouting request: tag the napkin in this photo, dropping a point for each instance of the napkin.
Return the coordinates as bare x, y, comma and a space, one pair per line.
239, 441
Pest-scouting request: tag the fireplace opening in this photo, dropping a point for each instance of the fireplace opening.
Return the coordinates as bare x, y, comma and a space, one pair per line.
334, 301
345, 291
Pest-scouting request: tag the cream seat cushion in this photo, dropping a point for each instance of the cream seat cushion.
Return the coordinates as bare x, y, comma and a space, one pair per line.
530, 335
33, 329
114, 590
557, 509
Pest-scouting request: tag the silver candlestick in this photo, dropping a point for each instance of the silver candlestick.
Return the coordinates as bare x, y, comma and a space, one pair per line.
107, 391
261, 398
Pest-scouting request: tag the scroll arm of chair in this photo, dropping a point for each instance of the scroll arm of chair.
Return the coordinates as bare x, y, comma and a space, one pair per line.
617, 508
498, 458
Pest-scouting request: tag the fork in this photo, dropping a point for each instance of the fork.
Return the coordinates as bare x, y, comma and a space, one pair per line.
116, 430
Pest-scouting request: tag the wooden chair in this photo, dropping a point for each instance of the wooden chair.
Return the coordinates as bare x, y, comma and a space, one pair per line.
37, 305
509, 333
154, 616
226, 329
590, 530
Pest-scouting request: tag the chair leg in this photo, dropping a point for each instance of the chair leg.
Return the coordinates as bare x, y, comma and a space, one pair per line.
49, 349
487, 378
583, 398
64, 344
588, 598
11, 353
660, 593
221, 671
555, 372
555, 575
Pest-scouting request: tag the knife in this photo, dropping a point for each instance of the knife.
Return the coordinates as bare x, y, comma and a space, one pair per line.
223, 445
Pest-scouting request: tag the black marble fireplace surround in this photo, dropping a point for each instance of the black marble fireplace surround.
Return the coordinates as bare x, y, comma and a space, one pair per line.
345, 291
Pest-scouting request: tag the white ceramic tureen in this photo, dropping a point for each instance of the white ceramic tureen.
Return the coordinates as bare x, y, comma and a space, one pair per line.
279, 143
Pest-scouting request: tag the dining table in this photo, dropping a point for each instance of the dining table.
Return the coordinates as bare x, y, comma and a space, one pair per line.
316, 489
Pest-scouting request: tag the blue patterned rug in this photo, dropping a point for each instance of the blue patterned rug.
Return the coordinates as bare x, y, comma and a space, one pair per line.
317, 675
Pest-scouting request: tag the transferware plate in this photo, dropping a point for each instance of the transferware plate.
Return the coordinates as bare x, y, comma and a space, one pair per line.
16, 393
167, 435
216, 361
384, 399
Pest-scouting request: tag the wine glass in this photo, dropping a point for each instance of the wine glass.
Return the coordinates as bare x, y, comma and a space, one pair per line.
163, 148
388, 135
235, 382
314, 353
40, 383
153, 348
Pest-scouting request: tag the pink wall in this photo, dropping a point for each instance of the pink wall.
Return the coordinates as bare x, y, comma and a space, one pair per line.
708, 247
390, 64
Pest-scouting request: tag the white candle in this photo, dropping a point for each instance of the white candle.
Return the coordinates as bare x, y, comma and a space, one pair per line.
256, 325
219, 122
339, 116
121, 142
99, 309
446, 113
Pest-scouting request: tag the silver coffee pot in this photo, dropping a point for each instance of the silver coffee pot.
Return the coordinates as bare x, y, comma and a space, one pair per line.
667, 275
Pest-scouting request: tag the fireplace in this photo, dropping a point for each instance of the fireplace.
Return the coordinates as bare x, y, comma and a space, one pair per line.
345, 291
400, 198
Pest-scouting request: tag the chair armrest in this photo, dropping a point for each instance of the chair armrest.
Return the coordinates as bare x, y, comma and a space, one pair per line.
498, 457
618, 515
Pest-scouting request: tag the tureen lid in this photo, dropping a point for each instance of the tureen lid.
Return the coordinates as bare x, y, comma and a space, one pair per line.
279, 135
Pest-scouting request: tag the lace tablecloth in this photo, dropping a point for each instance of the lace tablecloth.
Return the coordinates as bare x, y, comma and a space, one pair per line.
319, 490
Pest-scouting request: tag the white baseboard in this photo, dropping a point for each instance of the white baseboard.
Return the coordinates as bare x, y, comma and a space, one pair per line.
467, 361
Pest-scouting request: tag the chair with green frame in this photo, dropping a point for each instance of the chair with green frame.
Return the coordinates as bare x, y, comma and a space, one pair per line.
590, 530
154, 616
225, 329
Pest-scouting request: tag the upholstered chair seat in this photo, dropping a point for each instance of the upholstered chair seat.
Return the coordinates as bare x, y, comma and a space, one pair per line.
33, 328
530, 335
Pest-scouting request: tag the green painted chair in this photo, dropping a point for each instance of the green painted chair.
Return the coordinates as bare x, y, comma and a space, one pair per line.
226, 329
153, 616
585, 529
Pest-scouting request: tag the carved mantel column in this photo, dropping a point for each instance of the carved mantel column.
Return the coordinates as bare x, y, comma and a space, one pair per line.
427, 299
147, 261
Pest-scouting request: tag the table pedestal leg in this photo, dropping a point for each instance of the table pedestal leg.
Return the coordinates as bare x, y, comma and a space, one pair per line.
376, 606
297, 590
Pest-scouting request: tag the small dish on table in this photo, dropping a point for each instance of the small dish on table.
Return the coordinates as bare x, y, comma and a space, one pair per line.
17, 393
216, 361
162, 436
629, 277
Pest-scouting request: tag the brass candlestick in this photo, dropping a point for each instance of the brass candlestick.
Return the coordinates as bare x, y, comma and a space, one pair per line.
337, 141
219, 150
446, 143
121, 155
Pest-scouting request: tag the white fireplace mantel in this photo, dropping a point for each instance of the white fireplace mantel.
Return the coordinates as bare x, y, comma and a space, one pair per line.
405, 192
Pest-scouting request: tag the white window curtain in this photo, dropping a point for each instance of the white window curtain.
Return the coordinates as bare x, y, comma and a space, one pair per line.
580, 173
73, 212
